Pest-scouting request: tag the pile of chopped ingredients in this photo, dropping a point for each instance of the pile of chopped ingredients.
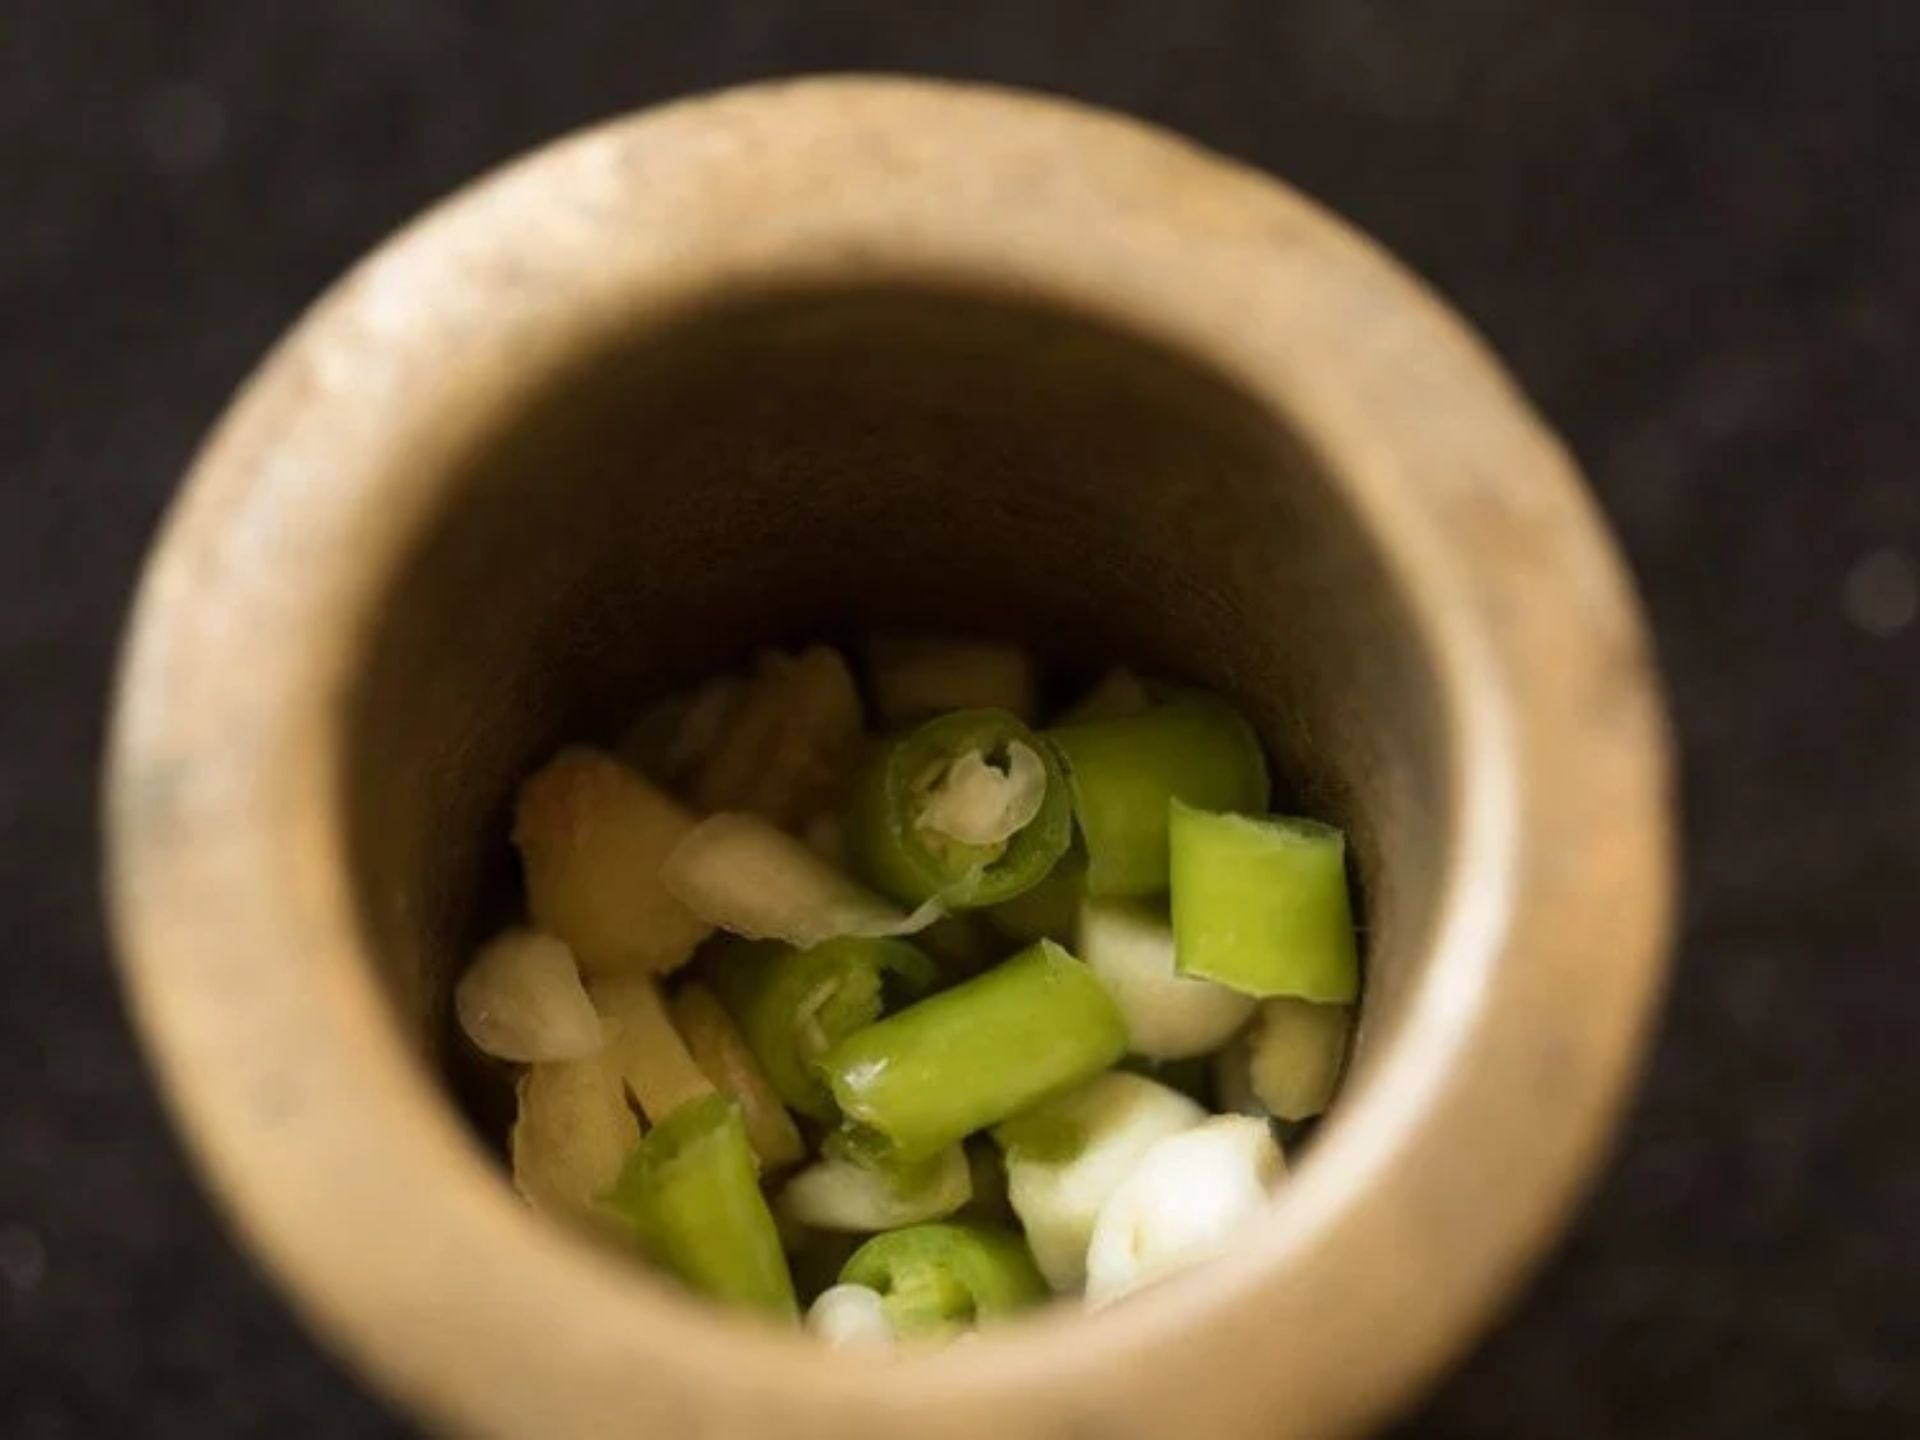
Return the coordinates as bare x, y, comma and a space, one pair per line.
920, 1029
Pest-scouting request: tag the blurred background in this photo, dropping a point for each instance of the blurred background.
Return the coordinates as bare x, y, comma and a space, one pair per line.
1693, 230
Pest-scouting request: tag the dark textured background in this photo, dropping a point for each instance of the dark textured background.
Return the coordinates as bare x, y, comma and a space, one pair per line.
1694, 230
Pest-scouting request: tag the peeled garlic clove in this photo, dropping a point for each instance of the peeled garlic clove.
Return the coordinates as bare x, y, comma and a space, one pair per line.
850, 1316
593, 836
521, 999
1169, 1016
839, 1194
1186, 1199
1085, 1143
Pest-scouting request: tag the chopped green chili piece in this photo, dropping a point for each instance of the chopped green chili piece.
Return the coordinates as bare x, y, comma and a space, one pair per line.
1123, 771
1260, 905
970, 809
1050, 910
937, 1280
690, 1192
971, 1056
793, 1004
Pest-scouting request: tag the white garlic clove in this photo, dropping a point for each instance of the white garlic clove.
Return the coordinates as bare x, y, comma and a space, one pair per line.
1169, 1016
522, 1000
1186, 1200
850, 1316
1086, 1143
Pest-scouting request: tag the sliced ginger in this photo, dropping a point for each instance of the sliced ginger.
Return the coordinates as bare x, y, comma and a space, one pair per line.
592, 836
724, 1057
789, 736
646, 1049
573, 1132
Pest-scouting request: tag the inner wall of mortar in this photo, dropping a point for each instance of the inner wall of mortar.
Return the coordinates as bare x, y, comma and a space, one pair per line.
811, 464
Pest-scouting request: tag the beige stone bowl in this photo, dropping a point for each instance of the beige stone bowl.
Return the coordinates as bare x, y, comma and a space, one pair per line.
786, 362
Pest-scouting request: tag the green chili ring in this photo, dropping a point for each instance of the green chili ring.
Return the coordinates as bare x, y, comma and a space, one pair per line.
793, 1005
937, 1280
894, 853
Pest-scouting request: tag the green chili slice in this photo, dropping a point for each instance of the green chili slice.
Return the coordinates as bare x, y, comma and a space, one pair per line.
690, 1193
1261, 906
1049, 910
1123, 771
792, 1005
970, 809
940, 1279
971, 1056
